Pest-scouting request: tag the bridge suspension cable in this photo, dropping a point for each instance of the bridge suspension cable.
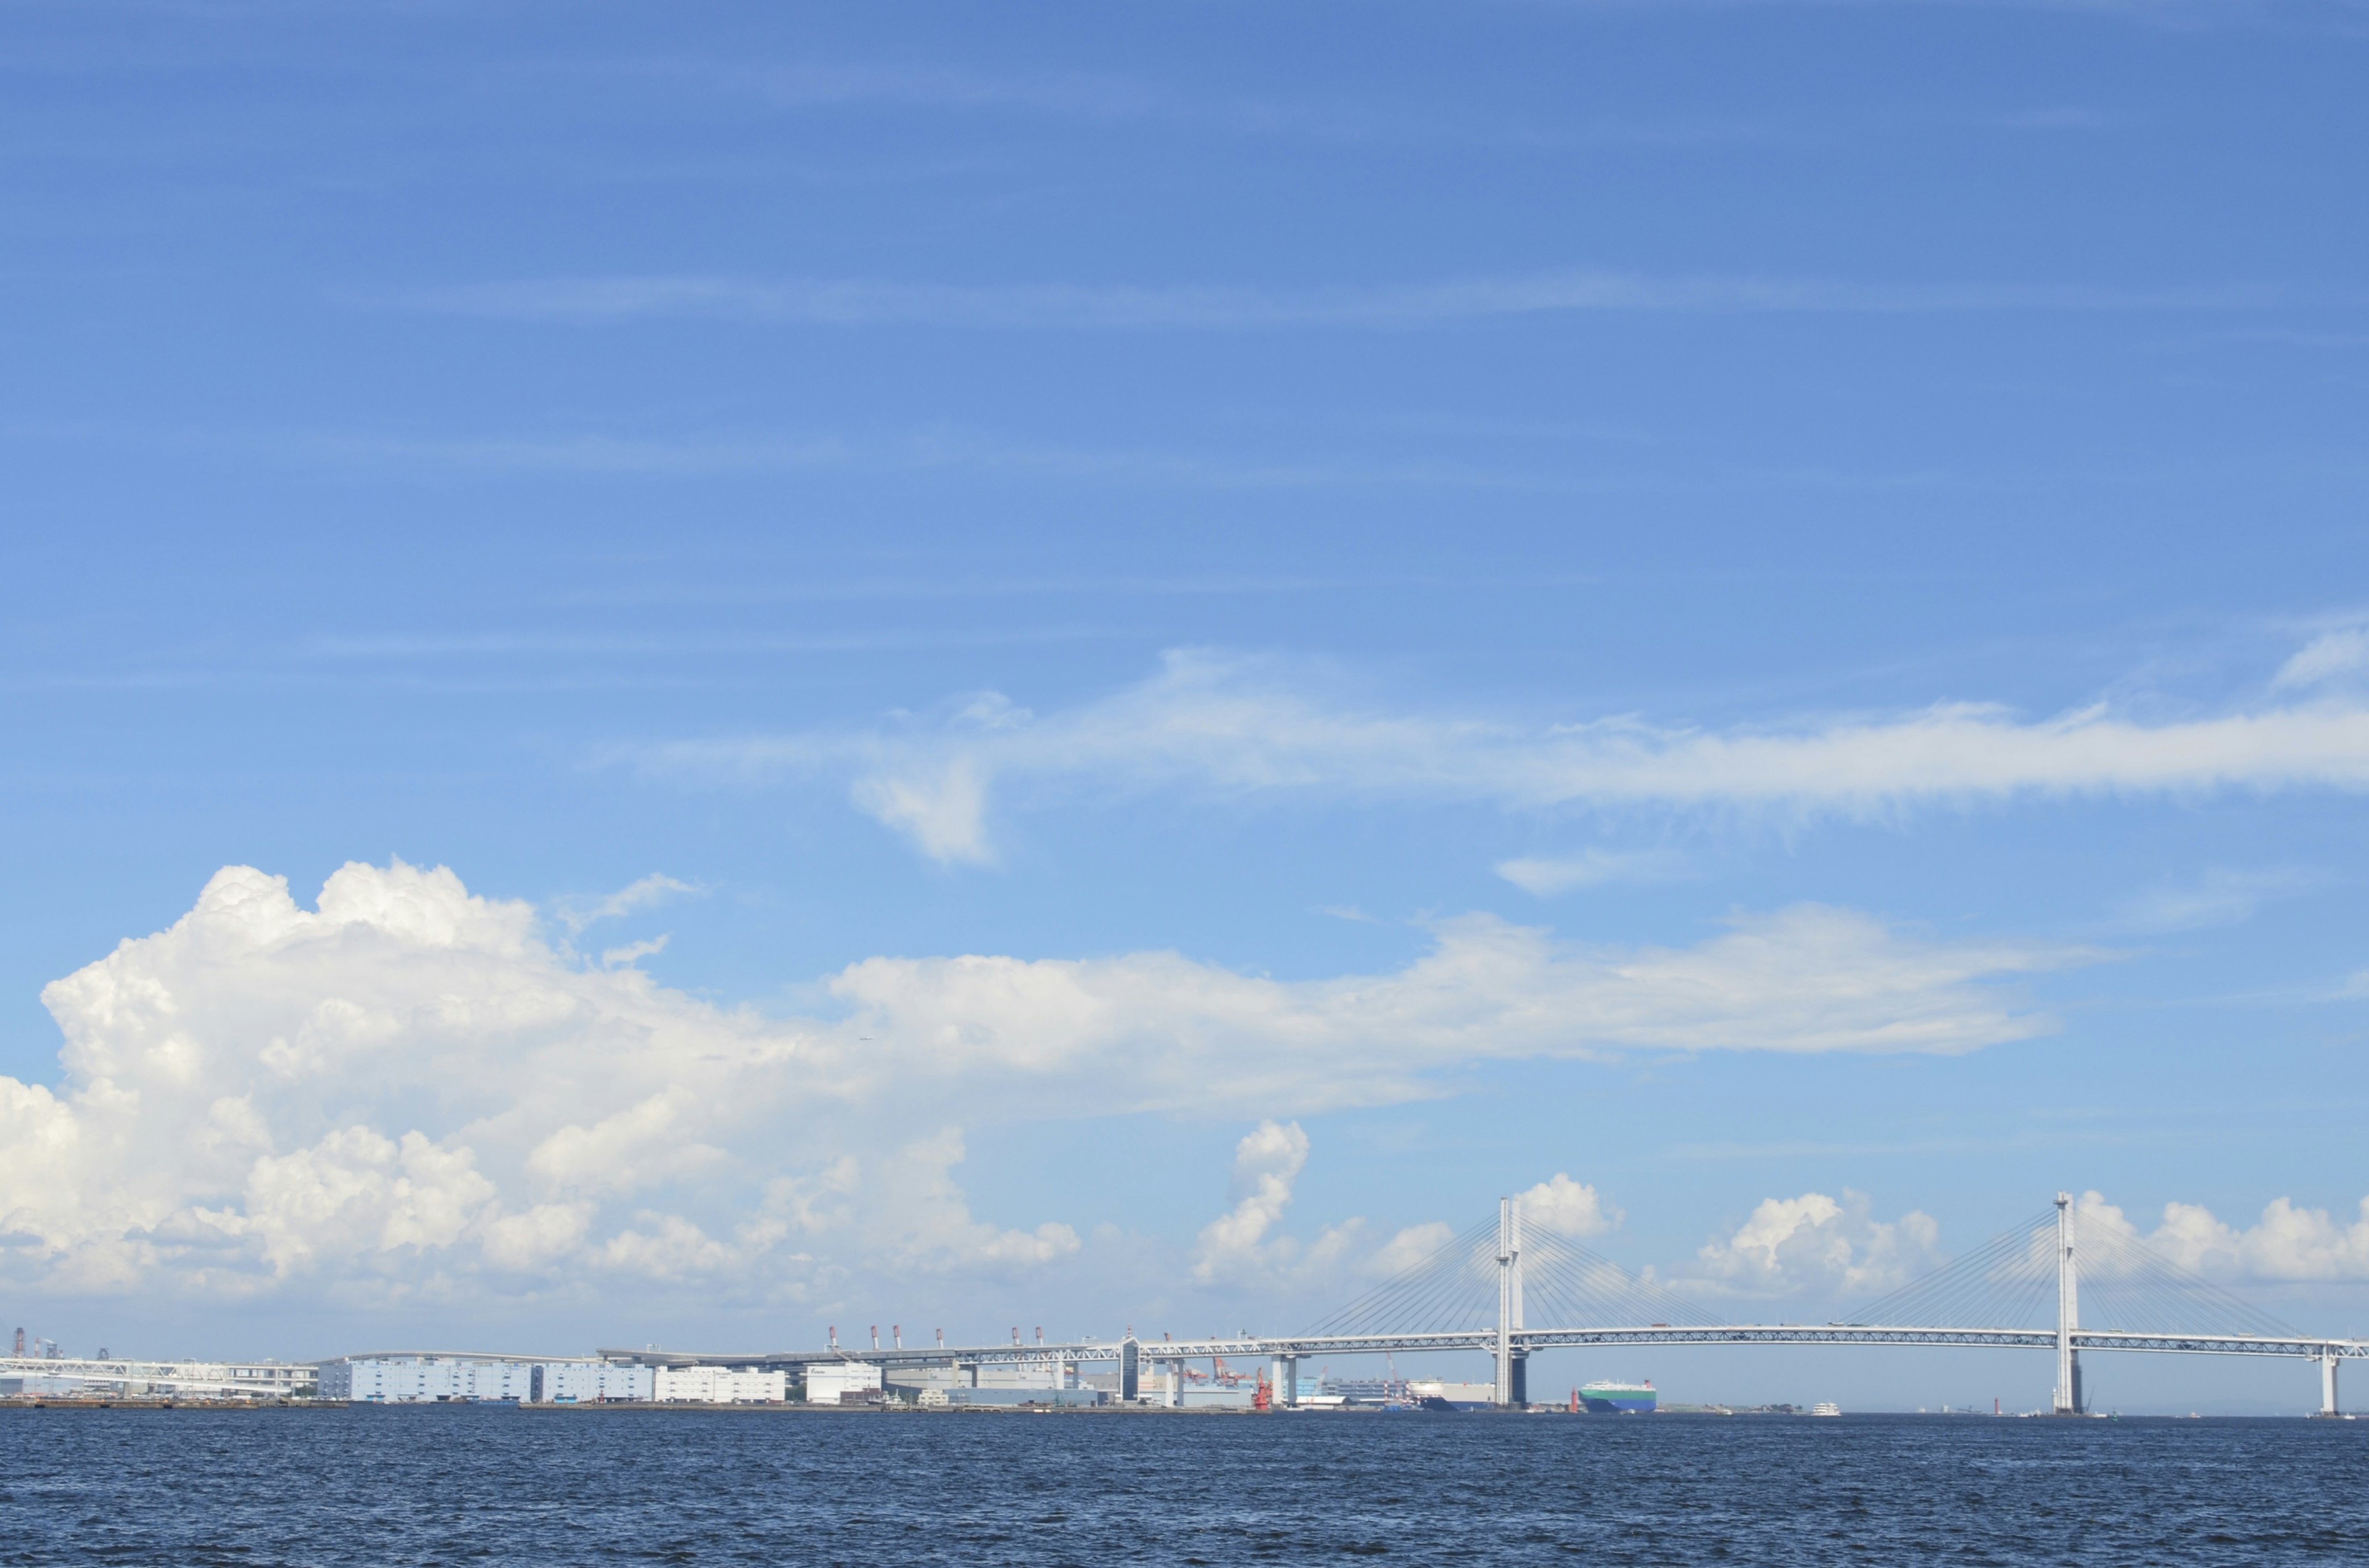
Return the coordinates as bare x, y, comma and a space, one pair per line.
2125, 1284
1454, 1288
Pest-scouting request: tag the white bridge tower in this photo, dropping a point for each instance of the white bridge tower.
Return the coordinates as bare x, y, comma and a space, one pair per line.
1512, 1366
2068, 1313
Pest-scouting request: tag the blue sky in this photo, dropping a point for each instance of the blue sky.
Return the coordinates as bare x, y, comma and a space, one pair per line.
1731, 601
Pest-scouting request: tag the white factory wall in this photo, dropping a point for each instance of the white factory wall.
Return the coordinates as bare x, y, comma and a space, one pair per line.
592, 1382
826, 1381
719, 1385
1046, 1374
421, 1379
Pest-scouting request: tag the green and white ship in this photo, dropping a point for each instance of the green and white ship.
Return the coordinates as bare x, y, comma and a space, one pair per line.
1617, 1398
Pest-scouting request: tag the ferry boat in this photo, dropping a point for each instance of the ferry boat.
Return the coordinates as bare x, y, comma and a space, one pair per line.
1825, 1407
1618, 1398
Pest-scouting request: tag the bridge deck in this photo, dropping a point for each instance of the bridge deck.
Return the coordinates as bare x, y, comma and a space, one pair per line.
1255, 1346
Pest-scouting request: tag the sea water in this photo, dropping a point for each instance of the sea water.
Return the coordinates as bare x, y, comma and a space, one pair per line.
497, 1484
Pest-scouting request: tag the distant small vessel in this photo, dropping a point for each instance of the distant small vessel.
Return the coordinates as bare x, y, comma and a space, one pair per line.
1618, 1398
1824, 1407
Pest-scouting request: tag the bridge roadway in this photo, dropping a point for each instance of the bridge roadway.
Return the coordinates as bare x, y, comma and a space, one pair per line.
1525, 1341
213, 1378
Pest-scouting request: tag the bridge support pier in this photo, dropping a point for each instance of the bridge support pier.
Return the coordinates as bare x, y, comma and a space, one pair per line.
1285, 1380
1510, 1391
2327, 1407
2068, 1313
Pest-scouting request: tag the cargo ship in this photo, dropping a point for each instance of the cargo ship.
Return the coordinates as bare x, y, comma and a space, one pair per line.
1617, 1398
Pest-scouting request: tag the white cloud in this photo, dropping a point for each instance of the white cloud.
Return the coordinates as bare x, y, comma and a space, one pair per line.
633, 951
655, 888
1161, 1030
408, 1079
1408, 1247
410, 1076
1130, 307
1567, 1207
942, 809
1243, 729
2327, 657
1240, 1247
2288, 1244
1267, 1162
1590, 868
2220, 897
1814, 1245
925, 1221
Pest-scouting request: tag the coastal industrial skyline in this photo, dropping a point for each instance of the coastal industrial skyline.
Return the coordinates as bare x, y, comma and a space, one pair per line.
687, 675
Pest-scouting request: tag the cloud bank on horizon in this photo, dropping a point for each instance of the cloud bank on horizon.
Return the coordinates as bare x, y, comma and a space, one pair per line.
1248, 728
410, 1094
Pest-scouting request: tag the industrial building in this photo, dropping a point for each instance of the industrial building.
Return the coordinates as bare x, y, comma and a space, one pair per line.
440, 1377
426, 1378
720, 1385
831, 1382
592, 1382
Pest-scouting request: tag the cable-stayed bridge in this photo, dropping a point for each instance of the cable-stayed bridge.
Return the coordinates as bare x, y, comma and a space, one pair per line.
2051, 1284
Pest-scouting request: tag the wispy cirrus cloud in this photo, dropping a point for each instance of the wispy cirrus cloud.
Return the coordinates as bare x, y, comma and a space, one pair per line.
1119, 101
1142, 307
639, 894
1245, 729
1546, 875
2338, 654
2219, 897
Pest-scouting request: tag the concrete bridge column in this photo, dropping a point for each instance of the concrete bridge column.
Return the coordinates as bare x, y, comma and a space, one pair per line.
2328, 1383
1285, 1378
1510, 1378
2068, 1312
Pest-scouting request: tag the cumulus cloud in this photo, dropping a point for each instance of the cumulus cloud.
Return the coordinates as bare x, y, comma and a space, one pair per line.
1267, 1162
1414, 1244
2288, 1244
1248, 728
409, 1073
1816, 1245
1567, 1208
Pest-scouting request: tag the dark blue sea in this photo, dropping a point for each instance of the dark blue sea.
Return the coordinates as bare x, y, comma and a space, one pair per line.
493, 1484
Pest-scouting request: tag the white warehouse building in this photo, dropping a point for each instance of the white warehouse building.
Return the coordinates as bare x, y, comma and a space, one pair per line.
426, 1379
829, 1381
721, 1385
592, 1382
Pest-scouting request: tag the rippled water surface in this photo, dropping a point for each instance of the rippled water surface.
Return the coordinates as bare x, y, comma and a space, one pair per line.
497, 1484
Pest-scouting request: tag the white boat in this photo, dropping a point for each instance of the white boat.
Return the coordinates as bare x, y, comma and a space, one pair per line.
1824, 1407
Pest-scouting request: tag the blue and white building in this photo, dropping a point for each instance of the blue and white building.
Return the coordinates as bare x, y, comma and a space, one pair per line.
426, 1378
593, 1382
